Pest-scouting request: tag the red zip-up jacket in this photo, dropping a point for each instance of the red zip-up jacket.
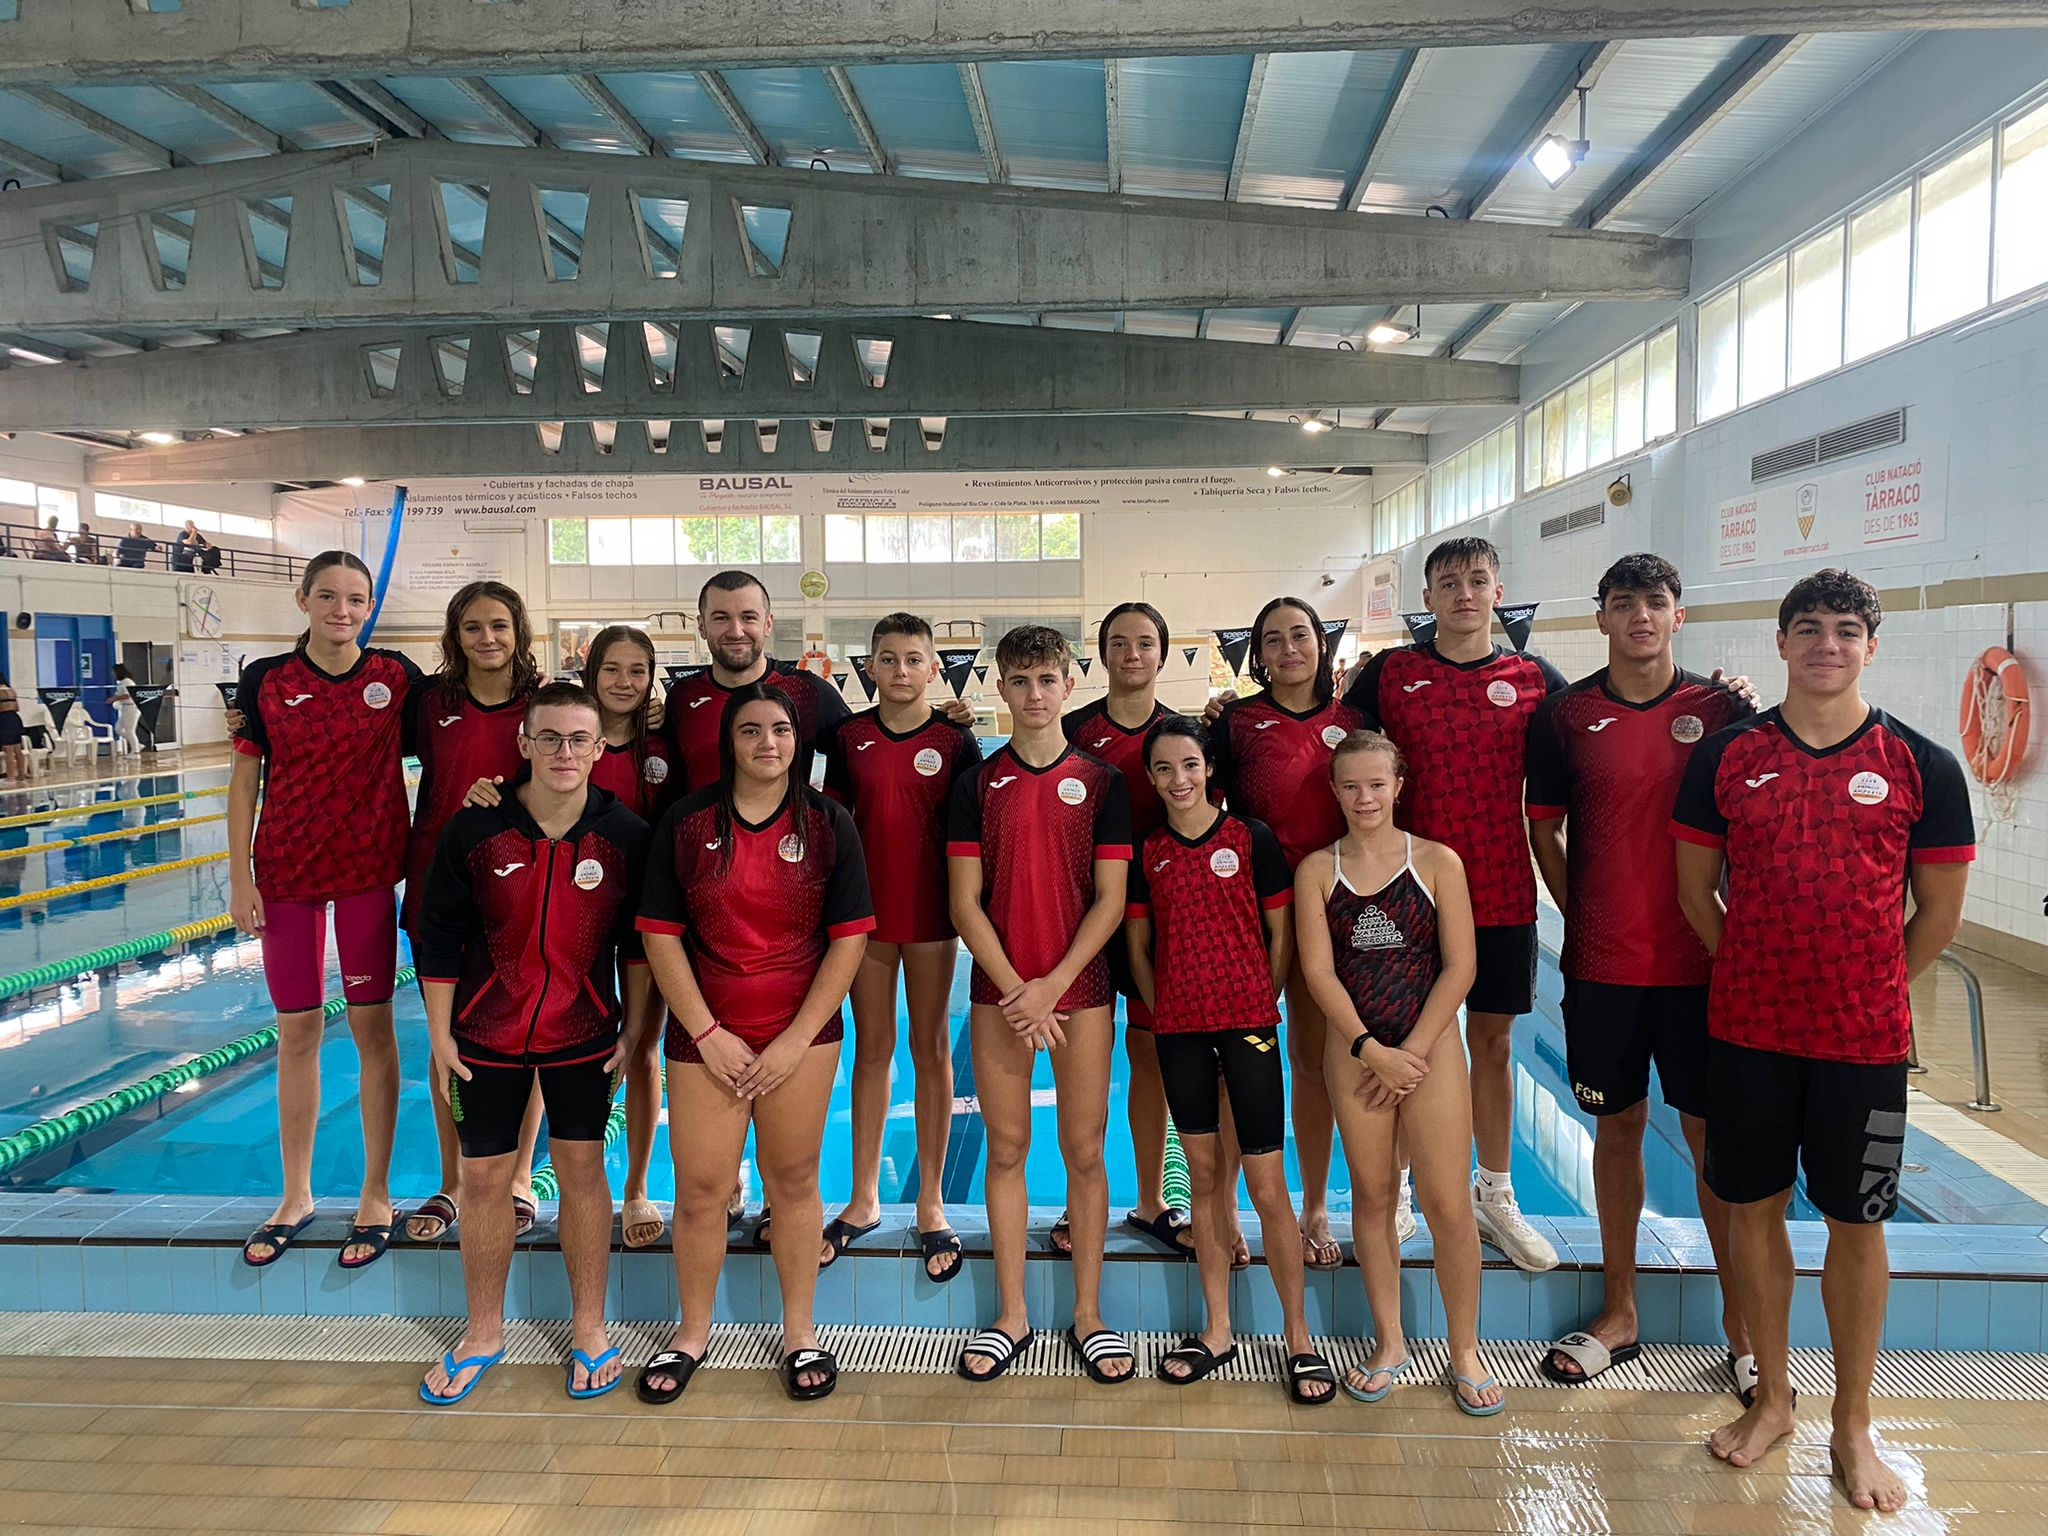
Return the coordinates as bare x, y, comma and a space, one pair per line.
532, 930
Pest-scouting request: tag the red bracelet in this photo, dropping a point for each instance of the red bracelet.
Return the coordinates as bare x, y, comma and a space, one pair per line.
714, 1029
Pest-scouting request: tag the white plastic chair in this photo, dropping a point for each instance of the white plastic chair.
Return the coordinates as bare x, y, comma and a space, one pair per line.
83, 735
36, 714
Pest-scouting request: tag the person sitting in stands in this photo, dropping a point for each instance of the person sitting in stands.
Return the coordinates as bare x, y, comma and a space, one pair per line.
134, 549
85, 546
48, 546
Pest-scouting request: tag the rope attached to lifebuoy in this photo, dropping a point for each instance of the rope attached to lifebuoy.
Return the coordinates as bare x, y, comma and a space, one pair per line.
1995, 716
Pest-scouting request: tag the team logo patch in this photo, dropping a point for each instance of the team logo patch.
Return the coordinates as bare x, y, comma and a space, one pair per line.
1502, 692
1869, 788
1224, 862
1332, 734
655, 770
1073, 791
376, 695
791, 849
589, 875
1688, 728
928, 762
1375, 930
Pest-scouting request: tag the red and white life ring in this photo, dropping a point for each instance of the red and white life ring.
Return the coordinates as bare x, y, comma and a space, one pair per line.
1996, 707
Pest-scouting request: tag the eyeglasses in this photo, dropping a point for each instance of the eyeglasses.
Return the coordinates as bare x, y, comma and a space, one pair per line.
551, 744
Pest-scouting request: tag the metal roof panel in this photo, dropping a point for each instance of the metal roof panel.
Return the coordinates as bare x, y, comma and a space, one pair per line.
1313, 118
1179, 122
1051, 121
921, 117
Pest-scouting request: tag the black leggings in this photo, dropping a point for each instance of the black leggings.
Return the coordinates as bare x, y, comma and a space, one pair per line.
1247, 1062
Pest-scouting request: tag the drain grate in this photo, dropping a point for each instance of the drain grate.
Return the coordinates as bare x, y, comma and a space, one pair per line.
1984, 1377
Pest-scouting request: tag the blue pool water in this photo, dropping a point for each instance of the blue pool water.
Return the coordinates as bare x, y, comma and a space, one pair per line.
61, 1047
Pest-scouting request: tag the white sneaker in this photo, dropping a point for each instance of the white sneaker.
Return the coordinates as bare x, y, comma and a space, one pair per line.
1502, 1224
1404, 1218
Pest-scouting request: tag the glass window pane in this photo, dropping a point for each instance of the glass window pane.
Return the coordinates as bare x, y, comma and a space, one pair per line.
654, 540
1720, 390
1600, 416
2022, 205
1763, 333
974, 538
21, 493
1660, 385
1532, 448
844, 544
1816, 329
1880, 267
696, 541
739, 540
1952, 269
782, 540
568, 541
931, 540
1577, 403
1060, 536
611, 541
1504, 468
888, 540
1628, 401
1553, 439
1017, 536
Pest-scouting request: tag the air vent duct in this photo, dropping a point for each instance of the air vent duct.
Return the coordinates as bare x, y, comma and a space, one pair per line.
1864, 436
1571, 522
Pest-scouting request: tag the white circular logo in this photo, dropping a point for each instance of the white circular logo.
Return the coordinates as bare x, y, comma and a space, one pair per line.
376, 695
1073, 791
1224, 862
791, 848
1869, 789
589, 875
1688, 728
1332, 735
928, 762
1502, 692
655, 770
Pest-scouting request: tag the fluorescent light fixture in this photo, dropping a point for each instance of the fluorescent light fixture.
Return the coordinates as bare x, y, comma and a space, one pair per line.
352, 480
1277, 472
1388, 332
1556, 157
30, 355
1314, 424
161, 439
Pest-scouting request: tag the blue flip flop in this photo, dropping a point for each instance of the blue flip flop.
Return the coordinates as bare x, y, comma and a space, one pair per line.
576, 1358
1476, 1410
1393, 1373
455, 1368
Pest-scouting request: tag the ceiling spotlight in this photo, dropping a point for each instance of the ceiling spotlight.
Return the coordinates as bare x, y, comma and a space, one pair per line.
1389, 333
161, 439
1314, 424
1555, 156
1277, 472
30, 355
352, 481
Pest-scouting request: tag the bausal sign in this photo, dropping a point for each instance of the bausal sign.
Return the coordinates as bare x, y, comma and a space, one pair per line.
743, 483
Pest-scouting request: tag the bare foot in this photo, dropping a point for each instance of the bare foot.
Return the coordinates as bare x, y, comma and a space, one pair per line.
1743, 1441
1863, 1474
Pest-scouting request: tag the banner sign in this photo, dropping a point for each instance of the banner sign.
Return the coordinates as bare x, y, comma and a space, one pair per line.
58, 701
1233, 644
954, 665
981, 674
227, 694
1421, 626
1086, 662
149, 704
1333, 630
860, 670
1517, 620
1379, 603
1900, 499
1187, 653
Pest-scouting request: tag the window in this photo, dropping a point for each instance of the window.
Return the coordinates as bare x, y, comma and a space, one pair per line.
974, 538
1059, 536
1477, 479
611, 541
1660, 386
2022, 204
1575, 412
1763, 333
198, 517
888, 540
55, 501
1397, 519
739, 540
1604, 414
940, 538
1628, 402
1600, 415
931, 540
782, 541
1720, 386
696, 541
246, 527
654, 540
1952, 263
114, 509
1880, 270
842, 538
568, 541
1017, 536
22, 493
1815, 332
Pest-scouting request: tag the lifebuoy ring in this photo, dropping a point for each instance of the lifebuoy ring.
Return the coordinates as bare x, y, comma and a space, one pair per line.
817, 661
1996, 705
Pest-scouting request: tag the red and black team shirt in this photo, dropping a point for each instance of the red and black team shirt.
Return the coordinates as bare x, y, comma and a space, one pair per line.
1610, 769
1275, 765
696, 704
457, 744
334, 819
1813, 958
644, 786
755, 920
1464, 729
1123, 748
532, 929
1038, 833
898, 788
1206, 898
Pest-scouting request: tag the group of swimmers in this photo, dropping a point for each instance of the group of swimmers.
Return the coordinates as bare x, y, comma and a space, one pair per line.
598, 878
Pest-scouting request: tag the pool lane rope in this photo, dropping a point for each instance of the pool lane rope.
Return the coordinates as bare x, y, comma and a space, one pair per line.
80, 887
93, 808
145, 830
47, 1135
545, 1185
114, 954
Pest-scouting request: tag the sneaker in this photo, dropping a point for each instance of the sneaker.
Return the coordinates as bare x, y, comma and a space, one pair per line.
1404, 1218
1502, 1224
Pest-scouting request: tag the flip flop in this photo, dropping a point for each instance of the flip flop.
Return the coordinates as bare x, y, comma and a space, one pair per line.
1102, 1345
524, 1214
578, 1357
1327, 1246
1052, 1238
1393, 1373
376, 1236
1590, 1356
840, 1234
670, 1362
1199, 1357
454, 1368
945, 1240
279, 1235
436, 1208
1475, 1410
1165, 1229
1240, 1254
1305, 1368
797, 1361
630, 1216
997, 1346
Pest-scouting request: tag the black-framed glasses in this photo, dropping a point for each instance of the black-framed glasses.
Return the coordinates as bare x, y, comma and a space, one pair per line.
553, 743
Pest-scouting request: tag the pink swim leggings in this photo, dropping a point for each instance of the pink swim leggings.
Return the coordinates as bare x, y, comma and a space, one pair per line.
295, 950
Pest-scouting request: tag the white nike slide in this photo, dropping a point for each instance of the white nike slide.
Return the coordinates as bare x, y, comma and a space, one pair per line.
1590, 1356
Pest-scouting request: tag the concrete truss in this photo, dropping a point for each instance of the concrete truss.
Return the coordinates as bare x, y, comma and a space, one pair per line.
87, 41
629, 371
855, 245
990, 444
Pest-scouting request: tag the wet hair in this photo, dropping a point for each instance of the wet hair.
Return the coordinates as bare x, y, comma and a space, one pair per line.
1257, 667
900, 624
1032, 645
325, 561
1102, 630
1369, 741
559, 696
1639, 573
1831, 591
729, 762
606, 638
1179, 725
1457, 552
730, 581
454, 674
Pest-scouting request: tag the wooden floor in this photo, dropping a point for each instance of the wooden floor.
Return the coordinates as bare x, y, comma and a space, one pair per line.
155, 1444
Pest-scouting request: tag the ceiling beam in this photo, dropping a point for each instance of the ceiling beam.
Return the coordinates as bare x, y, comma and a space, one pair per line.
103, 41
1592, 64
1376, 137
1468, 338
481, 94
344, 101
1112, 83
993, 444
608, 106
984, 124
857, 118
936, 368
99, 125
1254, 89
390, 108
715, 87
28, 163
240, 124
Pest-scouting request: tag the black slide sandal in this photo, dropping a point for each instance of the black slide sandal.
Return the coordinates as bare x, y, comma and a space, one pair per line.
1166, 1230
1052, 1237
1102, 1345
840, 1234
279, 1235
797, 1361
670, 1362
995, 1345
1305, 1368
945, 1240
376, 1237
1197, 1355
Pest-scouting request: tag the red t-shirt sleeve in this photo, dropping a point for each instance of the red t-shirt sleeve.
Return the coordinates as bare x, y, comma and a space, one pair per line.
1697, 818
1946, 832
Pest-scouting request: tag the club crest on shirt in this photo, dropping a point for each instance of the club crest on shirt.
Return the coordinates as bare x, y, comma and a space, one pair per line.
1869, 788
1224, 862
1332, 735
1073, 791
1688, 728
1502, 692
1375, 930
928, 762
376, 695
589, 875
791, 848
655, 770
